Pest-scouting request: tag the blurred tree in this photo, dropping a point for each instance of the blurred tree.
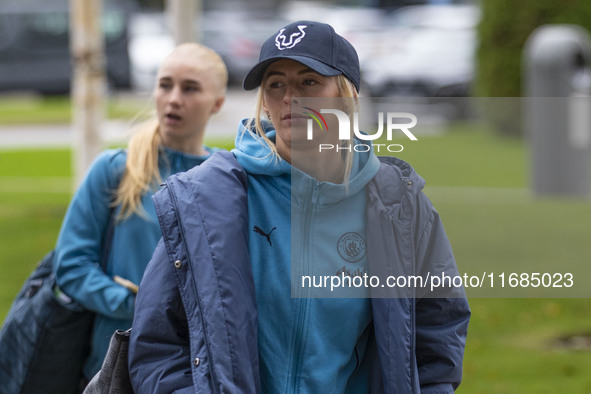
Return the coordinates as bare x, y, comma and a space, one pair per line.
504, 28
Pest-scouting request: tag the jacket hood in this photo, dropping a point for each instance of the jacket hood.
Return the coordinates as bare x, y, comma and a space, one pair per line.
257, 159
254, 155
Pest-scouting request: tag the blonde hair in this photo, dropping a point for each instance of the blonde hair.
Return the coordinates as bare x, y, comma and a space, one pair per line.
141, 166
206, 59
346, 89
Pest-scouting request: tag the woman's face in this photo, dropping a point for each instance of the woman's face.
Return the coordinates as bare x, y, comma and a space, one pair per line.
186, 96
283, 80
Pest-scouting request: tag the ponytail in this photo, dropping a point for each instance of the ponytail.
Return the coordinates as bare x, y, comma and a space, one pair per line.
141, 170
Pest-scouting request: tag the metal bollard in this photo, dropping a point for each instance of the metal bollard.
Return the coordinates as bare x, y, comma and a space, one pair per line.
557, 86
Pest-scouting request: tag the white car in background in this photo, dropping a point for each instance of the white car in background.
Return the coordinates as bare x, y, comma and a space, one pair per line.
150, 41
361, 26
236, 35
424, 51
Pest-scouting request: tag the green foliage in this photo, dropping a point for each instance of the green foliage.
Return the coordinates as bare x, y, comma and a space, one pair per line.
503, 31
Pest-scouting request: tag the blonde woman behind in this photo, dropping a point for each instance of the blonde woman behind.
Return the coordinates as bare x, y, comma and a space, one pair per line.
190, 88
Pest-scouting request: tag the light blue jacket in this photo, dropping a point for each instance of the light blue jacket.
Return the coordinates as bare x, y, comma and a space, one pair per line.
310, 339
80, 245
195, 328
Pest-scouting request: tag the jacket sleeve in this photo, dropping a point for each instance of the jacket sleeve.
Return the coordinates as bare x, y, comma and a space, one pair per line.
442, 322
80, 243
159, 349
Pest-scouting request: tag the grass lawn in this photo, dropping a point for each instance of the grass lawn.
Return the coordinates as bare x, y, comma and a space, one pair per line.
31, 109
478, 183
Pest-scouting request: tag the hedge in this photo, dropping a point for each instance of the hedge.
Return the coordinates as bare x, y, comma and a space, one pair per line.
503, 31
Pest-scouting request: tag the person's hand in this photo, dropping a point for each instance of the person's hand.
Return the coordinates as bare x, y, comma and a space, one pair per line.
126, 283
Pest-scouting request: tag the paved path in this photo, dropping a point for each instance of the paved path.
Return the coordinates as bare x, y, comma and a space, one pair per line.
239, 104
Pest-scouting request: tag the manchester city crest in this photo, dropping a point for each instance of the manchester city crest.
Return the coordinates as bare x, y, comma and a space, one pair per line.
351, 247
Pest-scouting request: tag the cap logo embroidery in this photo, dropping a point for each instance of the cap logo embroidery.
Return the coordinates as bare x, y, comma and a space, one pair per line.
283, 42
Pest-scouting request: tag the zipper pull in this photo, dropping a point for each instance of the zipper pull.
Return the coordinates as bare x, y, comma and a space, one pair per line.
315, 193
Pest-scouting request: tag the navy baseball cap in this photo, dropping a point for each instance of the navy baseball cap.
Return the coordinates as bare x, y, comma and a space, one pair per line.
313, 44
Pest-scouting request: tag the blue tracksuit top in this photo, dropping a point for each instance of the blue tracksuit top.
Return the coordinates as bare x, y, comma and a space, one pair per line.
78, 248
306, 344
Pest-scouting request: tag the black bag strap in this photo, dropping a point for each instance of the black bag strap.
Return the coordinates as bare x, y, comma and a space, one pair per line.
109, 233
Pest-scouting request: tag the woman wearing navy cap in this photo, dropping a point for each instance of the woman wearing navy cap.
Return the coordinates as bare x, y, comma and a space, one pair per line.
240, 294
